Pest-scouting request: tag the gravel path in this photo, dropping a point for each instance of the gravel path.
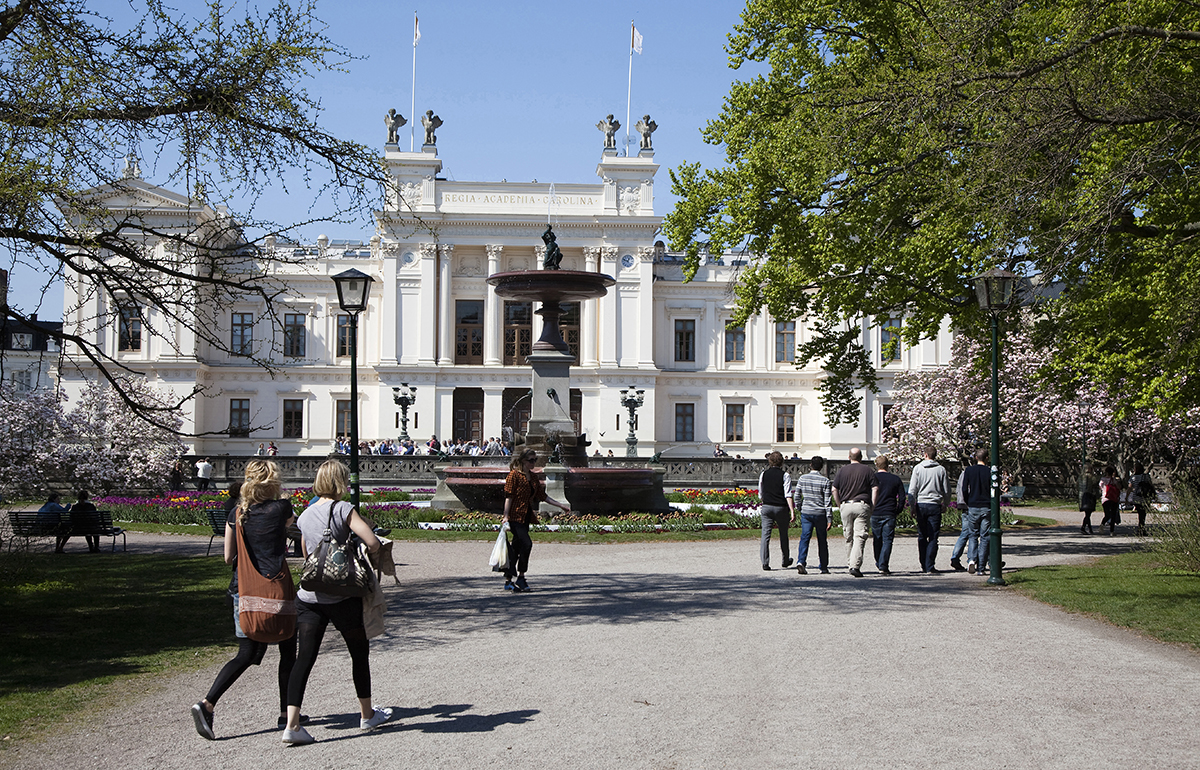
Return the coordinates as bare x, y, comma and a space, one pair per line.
686, 655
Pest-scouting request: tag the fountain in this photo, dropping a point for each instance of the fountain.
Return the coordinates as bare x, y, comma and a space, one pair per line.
551, 432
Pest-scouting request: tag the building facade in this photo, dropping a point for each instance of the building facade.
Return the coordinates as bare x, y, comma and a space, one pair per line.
435, 324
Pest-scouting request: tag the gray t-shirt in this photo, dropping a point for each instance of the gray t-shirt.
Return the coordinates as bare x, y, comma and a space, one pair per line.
312, 524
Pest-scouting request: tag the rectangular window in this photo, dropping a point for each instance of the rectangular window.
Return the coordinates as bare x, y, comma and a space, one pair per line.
293, 418
735, 422
518, 332
22, 341
468, 331
735, 343
568, 325
889, 339
685, 422
785, 342
785, 423
343, 336
241, 333
129, 333
22, 380
685, 341
342, 418
293, 335
239, 417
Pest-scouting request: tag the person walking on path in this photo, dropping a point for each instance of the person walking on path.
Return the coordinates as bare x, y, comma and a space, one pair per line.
522, 492
315, 610
778, 510
813, 498
1141, 494
854, 492
977, 494
264, 519
204, 472
929, 489
1089, 495
889, 501
1110, 499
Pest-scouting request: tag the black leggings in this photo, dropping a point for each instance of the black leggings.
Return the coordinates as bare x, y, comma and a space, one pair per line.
312, 620
250, 653
518, 549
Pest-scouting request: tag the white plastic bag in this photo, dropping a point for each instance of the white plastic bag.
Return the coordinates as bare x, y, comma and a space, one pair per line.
499, 560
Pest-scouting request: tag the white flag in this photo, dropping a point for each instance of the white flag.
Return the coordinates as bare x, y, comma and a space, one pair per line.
416, 31
636, 41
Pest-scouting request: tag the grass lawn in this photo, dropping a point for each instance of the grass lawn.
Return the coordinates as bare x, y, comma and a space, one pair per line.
82, 631
1129, 590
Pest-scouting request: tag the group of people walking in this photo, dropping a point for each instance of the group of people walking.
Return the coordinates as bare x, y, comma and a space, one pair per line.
1107, 489
870, 501
261, 518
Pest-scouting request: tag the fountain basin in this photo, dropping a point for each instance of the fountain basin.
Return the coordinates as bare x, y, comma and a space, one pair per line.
599, 491
551, 285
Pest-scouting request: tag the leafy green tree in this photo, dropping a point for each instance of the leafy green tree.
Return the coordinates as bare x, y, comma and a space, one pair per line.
893, 150
220, 102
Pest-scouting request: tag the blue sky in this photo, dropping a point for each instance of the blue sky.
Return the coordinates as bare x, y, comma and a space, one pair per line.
520, 87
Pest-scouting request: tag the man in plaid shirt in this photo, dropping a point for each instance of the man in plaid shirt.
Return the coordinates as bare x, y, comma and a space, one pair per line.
813, 496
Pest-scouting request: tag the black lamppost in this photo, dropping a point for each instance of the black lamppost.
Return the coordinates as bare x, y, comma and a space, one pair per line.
631, 399
404, 396
353, 288
995, 290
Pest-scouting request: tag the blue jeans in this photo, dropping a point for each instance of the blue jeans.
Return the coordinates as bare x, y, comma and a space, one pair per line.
810, 523
969, 536
883, 532
929, 523
984, 526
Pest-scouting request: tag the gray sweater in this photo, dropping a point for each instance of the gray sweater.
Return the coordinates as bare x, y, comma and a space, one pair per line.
929, 485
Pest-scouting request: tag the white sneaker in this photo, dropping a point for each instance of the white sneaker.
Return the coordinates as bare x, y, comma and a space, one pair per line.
971, 568
380, 716
298, 737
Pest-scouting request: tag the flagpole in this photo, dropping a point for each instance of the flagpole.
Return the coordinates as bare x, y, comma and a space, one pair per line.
412, 113
629, 92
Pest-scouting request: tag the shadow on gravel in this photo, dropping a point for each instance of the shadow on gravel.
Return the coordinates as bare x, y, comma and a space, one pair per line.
1068, 542
445, 718
436, 611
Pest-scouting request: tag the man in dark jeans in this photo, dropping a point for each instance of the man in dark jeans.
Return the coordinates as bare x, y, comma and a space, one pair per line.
977, 494
888, 504
929, 487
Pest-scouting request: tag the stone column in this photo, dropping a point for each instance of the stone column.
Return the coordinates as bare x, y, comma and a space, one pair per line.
428, 306
445, 306
608, 328
493, 316
645, 269
493, 408
587, 342
390, 327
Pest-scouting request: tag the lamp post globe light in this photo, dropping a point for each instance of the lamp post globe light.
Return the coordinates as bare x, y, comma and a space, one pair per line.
631, 399
995, 290
353, 288
404, 396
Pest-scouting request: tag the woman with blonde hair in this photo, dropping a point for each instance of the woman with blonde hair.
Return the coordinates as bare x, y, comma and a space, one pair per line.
264, 519
315, 610
522, 492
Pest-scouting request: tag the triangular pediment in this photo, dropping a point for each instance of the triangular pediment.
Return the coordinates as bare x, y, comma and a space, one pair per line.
138, 194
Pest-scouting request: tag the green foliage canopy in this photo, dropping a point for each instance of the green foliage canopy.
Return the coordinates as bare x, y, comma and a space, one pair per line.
894, 150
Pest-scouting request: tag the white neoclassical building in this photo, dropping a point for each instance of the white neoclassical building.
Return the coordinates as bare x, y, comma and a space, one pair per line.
434, 323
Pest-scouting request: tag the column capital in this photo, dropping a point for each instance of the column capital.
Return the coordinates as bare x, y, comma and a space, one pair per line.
446, 249
495, 251
428, 249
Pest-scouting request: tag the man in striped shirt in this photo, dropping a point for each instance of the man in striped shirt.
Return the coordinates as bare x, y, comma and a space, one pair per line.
813, 498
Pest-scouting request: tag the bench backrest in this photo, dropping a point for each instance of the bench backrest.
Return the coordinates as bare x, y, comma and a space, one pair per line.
35, 523
216, 519
91, 522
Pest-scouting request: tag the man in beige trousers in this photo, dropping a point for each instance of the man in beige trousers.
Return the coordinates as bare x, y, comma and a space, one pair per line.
854, 492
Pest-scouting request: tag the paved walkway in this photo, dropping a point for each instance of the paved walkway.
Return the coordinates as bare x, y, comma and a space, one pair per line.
687, 655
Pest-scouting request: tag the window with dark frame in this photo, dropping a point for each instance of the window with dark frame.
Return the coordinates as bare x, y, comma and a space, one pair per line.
342, 418
239, 417
785, 423
685, 422
294, 334
468, 331
293, 418
735, 422
735, 344
343, 336
129, 332
241, 334
888, 333
785, 342
568, 326
685, 340
518, 332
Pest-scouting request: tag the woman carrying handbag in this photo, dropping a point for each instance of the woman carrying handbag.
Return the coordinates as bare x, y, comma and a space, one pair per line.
315, 610
522, 492
264, 519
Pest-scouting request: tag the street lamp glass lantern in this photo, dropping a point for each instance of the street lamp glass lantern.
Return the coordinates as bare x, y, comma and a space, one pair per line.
995, 289
353, 288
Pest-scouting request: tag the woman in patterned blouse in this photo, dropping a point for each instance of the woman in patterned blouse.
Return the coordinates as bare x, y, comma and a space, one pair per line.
522, 492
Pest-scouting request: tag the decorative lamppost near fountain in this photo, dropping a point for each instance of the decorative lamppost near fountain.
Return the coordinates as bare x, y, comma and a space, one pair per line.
353, 289
632, 399
404, 396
